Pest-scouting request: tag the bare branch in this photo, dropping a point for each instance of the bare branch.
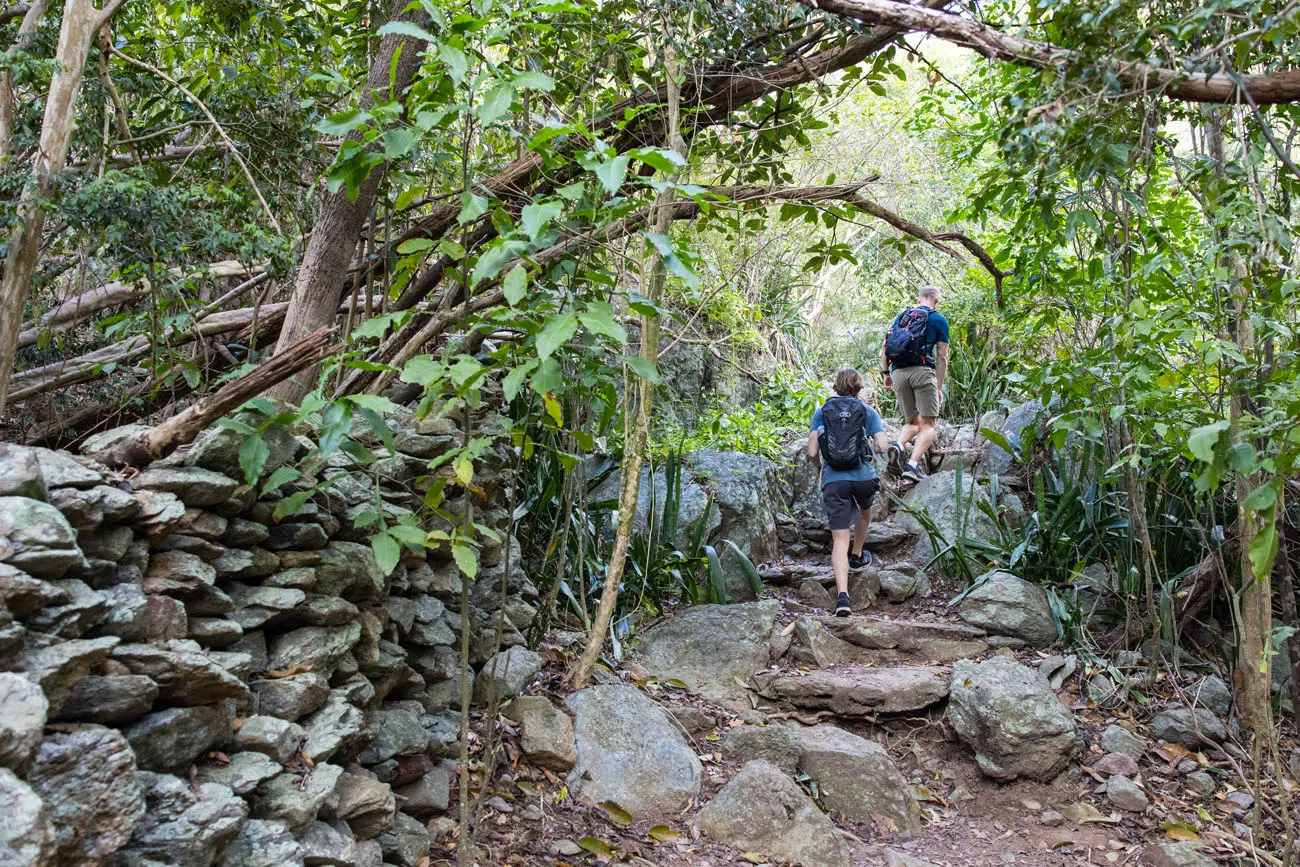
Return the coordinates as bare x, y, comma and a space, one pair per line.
10, 13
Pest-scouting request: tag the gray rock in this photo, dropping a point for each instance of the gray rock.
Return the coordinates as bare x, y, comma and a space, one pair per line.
172, 739
321, 647
264, 844
857, 777
693, 720
1094, 588
937, 496
325, 845
694, 499
1003, 604
243, 773
23, 709
291, 697
546, 732
1116, 764
1181, 725
58, 667
748, 494
184, 826
159, 512
107, 543
299, 578
762, 810
1028, 414
273, 737
246, 563
1214, 695
38, 538
83, 609
406, 843
336, 726
367, 805
1200, 783
860, 692
1116, 739
630, 753
256, 607
1126, 794
428, 796
185, 673
349, 569
213, 632
20, 473
300, 537
87, 510
217, 448
178, 573
240, 533
26, 836
294, 798
398, 733
899, 586
894, 858
115, 699
86, 777
1010, 717
195, 486
776, 744
139, 617
506, 674
881, 641
711, 646
62, 470
1175, 855
24, 595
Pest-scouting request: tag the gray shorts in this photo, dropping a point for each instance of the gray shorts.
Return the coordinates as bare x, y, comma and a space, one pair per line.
918, 392
844, 498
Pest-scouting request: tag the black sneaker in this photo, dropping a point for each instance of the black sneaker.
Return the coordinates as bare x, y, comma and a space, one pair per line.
842, 608
895, 459
860, 561
913, 472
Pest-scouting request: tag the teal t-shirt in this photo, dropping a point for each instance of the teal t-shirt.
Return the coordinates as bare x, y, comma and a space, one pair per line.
864, 471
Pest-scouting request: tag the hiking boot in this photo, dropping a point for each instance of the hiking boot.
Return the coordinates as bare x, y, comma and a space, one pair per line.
913, 472
860, 561
895, 459
842, 607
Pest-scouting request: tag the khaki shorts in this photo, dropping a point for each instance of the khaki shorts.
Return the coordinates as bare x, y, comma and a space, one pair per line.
918, 392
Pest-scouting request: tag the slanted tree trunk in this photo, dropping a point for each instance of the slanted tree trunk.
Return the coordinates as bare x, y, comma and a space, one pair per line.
653, 276
81, 23
320, 282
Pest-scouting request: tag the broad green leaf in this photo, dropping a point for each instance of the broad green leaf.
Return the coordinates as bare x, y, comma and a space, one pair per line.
373, 402
664, 834
595, 846
611, 173
496, 103
471, 208
557, 331
466, 559
387, 552
344, 122
548, 378
534, 217
457, 62
642, 368
422, 370
279, 477
1262, 498
515, 284
398, 143
1203, 440
1263, 548
292, 503
534, 81
407, 28
252, 459
409, 535
514, 380
415, 245
601, 318
616, 814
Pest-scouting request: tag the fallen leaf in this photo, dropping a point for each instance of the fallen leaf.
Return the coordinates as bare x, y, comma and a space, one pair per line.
1180, 831
1083, 814
921, 793
755, 858
1173, 753
676, 683
789, 629
616, 814
300, 668
663, 834
597, 847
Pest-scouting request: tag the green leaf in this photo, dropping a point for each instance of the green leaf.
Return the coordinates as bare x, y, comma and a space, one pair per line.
1262, 498
252, 459
422, 370
407, 28
457, 62
557, 331
467, 559
292, 503
661, 159
642, 367
747, 566
1203, 440
611, 173
548, 378
1263, 548
471, 208
514, 380
415, 245
616, 814
534, 217
496, 103
387, 552
601, 318
344, 122
372, 402
398, 143
409, 535
279, 478
534, 81
595, 846
515, 284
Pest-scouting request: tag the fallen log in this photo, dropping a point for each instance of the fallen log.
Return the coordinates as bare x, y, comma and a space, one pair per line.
162, 439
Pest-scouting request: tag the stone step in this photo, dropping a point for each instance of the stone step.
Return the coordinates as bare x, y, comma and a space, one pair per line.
871, 640
859, 692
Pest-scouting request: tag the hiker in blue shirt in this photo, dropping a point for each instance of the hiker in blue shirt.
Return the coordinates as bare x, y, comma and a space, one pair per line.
914, 361
845, 431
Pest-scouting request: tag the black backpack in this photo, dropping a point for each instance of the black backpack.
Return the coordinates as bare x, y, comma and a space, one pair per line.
843, 440
905, 344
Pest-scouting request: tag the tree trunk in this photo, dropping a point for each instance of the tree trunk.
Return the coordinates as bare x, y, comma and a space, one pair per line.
320, 282
31, 17
653, 277
81, 23
1286, 594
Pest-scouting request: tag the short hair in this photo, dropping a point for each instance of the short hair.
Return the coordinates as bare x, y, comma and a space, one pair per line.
934, 293
848, 382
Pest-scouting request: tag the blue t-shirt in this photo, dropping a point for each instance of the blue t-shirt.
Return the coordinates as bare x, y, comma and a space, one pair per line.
936, 332
865, 470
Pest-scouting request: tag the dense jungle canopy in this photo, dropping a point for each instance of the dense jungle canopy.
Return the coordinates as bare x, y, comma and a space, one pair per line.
643, 229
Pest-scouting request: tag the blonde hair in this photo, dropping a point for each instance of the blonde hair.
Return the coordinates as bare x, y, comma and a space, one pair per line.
934, 293
848, 382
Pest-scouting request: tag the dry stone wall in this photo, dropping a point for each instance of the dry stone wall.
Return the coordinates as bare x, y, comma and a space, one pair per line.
187, 681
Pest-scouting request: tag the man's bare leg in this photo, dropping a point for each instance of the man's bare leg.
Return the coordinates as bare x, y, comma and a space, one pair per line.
908, 431
924, 440
859, 534
840, 559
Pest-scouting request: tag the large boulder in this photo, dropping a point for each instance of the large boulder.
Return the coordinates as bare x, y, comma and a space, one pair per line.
748, 494
20, 473
762, 810
936, 495
171, 739
803, 481
858, 778
882, 641
860, 692
712, 646
1003, 604
184, 825
630, 753
1010, 717
1187, 727
86, 777
217, 448
691, 504
37, 538
1020, 419
507, 674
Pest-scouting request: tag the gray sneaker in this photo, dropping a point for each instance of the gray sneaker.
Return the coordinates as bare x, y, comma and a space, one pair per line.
913, 472
895, 459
